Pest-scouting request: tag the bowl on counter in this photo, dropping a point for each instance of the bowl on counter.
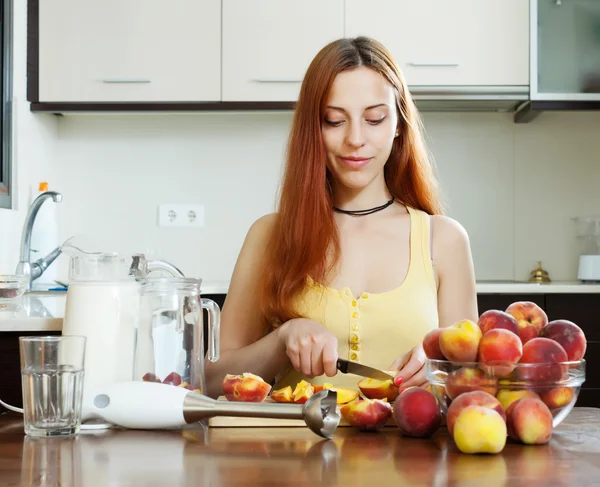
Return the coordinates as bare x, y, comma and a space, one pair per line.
12, 286
557, 384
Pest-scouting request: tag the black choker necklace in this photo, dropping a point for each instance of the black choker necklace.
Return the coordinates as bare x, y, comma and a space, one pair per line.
365, 212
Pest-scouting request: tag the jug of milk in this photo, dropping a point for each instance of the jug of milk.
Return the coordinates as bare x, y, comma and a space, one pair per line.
103, 302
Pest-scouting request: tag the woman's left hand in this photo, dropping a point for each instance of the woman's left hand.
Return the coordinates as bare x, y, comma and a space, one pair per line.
411, 368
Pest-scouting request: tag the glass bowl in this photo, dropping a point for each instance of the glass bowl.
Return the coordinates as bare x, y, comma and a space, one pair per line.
556, 384
12, 286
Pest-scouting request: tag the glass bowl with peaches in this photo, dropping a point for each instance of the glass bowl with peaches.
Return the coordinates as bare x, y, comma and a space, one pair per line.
505, 360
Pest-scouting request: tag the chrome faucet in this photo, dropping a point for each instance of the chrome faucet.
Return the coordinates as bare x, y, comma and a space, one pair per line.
25, 266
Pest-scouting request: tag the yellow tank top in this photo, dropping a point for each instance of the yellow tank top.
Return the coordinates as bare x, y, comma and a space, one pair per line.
375, 329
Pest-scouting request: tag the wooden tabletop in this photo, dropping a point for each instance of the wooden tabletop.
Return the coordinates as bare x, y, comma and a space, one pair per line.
220, 457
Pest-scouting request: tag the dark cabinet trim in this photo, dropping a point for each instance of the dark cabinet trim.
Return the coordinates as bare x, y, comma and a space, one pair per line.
191, 106
33, 51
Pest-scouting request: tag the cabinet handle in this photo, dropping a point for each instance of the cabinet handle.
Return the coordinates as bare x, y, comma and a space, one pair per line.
434, 65
126, 80
277, 80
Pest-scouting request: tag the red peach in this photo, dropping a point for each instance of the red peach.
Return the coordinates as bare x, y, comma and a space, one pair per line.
367, 414
569, 335
493, 319
558, 397
460, 342
150, 377
417, 412
529, 421
173, 379
530, 318
431, 345
544, 355
475, 398
246, 387
467, 379
499, 351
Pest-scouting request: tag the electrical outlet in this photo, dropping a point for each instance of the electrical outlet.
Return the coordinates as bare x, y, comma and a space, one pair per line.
191, 216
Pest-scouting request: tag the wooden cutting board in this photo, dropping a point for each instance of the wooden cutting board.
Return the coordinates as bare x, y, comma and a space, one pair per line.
237, 422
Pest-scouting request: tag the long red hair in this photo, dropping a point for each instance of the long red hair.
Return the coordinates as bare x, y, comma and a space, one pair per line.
304, 240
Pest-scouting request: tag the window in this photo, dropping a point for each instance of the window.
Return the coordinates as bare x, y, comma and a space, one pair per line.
6, 111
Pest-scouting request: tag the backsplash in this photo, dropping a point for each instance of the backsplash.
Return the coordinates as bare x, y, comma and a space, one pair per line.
513, 187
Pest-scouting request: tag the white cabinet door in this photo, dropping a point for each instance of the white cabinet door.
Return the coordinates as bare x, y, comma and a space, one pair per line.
268, 45
443, 42
129, 50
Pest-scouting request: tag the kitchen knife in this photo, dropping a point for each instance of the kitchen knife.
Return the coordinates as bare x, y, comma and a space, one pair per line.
347, 367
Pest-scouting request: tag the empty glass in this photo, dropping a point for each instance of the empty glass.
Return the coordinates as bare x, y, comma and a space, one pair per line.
52, 371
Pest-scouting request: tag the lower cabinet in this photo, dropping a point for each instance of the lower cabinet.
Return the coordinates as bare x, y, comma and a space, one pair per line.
581, 309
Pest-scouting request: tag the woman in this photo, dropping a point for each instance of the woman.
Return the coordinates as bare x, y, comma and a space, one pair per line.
349, 266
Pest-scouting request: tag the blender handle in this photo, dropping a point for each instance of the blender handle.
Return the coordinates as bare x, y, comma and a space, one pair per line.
214, 327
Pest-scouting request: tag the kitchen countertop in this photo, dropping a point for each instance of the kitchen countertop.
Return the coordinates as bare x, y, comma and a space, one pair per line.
44, 310
293, 456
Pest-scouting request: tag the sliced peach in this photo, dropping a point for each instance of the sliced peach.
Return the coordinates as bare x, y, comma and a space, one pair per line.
246, 387
319, 388
345, 396
302, 394
378, 389
282, 395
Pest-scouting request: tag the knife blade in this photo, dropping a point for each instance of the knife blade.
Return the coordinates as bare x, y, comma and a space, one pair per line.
348, 367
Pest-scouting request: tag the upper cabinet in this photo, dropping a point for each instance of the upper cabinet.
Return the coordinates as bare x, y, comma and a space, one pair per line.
449, 43
268, 45
129, 51
566, 50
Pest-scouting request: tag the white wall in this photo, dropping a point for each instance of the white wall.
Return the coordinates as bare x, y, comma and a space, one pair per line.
514, 187
34, 139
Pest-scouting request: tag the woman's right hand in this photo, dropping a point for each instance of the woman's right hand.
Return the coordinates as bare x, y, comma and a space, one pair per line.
311, 348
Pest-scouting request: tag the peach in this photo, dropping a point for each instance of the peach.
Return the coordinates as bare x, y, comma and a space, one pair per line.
246, 387
417, 412
479, 430
282, 395
530, 318
569, 335
173, 379
379, 389
467, 379
529, 421
475, 398
507, 397
319, 388
431, 345
460, 342
150, 377
494, 319
558, 397
345, 396
544, 355
367, 414
302, 392
499, 351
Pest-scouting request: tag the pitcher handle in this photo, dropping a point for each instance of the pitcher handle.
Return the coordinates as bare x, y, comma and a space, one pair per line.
214, 327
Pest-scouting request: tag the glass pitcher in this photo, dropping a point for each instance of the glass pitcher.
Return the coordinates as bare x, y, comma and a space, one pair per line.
170, 342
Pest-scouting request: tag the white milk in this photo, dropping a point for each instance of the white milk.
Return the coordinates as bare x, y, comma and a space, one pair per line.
107, 313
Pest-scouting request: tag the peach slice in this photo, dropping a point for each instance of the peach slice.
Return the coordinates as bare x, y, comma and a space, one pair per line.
303, 391
246, 387
379, 389
345, 396
282, 395
367, 414
173, 379
319, 388
150, 377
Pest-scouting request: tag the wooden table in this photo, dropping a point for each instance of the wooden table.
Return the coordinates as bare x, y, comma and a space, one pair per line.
219, 457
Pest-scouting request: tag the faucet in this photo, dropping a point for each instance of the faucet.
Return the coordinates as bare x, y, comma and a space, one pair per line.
25, 266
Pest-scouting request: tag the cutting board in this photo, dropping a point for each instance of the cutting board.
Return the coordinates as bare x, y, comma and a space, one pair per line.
237, 422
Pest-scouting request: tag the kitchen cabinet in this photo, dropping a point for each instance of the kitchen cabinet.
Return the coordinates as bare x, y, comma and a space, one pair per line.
128, 51
268, 45
436, 42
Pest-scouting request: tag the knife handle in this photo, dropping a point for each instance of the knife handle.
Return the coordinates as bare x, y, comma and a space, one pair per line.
342, 366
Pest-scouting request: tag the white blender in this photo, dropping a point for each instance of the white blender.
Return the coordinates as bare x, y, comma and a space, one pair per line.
588, 231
